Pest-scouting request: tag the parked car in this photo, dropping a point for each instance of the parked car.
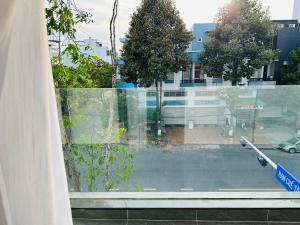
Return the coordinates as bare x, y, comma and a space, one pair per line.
291, 146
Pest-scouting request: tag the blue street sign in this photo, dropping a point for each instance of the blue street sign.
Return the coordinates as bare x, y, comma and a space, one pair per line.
287, 180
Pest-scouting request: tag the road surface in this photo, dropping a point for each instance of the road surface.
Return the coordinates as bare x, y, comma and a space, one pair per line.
205, 169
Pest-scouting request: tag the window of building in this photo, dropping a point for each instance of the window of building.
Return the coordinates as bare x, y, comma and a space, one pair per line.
187, 75
205, 93
198, 75
175, 102
151, 94
292, 25
206, 102
170, 76
151, 103
174, 93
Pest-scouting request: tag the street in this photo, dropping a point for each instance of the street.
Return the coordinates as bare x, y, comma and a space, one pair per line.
206, 169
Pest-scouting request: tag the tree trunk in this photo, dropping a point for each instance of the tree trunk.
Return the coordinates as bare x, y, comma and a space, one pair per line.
254, 117
157, 107
235, 74
107, 146
160, 103
112, 27
106, 161
235, 78
71, 165
59, 47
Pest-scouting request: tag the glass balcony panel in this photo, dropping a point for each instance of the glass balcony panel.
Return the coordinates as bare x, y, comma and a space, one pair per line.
126, 141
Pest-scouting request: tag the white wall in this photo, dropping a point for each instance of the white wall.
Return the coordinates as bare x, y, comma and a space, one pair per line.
296, 10
94, 50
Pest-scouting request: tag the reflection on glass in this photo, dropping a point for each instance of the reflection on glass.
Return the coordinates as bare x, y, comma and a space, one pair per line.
115, 140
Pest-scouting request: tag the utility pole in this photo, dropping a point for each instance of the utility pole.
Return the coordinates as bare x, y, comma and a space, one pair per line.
254, 116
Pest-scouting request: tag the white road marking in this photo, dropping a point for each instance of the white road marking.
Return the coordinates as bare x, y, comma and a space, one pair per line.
114, 189
187, 189
149, 189
251, 189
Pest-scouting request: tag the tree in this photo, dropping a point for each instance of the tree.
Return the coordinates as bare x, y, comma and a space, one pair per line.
292, 73
155, 45
96, 147
111, 160
88, 71
241, 41
62, 17
112, 30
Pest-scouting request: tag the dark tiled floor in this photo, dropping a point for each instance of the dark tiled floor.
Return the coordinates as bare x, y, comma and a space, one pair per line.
163, 214
186, 217
107, 214
144, 222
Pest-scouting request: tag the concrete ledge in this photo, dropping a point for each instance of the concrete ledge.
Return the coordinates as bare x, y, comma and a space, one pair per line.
117, 200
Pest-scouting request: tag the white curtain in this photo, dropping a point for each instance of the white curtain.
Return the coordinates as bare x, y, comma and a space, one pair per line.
33, 186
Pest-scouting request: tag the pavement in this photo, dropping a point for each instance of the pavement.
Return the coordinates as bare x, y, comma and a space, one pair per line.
216, 136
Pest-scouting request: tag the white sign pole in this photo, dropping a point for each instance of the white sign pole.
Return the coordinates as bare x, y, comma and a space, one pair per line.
260, 153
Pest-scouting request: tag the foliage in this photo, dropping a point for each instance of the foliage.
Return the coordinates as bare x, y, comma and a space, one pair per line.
156, 42
88, 72
137, 188
241, 41
63, 16
111, 161
292, 73
155, 45
97, 147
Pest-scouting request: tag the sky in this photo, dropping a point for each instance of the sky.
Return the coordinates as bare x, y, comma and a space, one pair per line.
191, 11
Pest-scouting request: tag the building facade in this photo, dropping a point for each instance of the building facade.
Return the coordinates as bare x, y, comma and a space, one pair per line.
88, 46
193, 75
296, 10
286, 40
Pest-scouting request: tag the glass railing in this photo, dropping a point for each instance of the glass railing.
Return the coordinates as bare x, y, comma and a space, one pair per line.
131, 141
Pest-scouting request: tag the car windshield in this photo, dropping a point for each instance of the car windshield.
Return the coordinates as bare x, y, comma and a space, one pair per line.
293, 140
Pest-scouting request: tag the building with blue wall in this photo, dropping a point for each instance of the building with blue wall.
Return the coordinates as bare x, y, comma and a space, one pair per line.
193, 75
200, 33
286, 40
